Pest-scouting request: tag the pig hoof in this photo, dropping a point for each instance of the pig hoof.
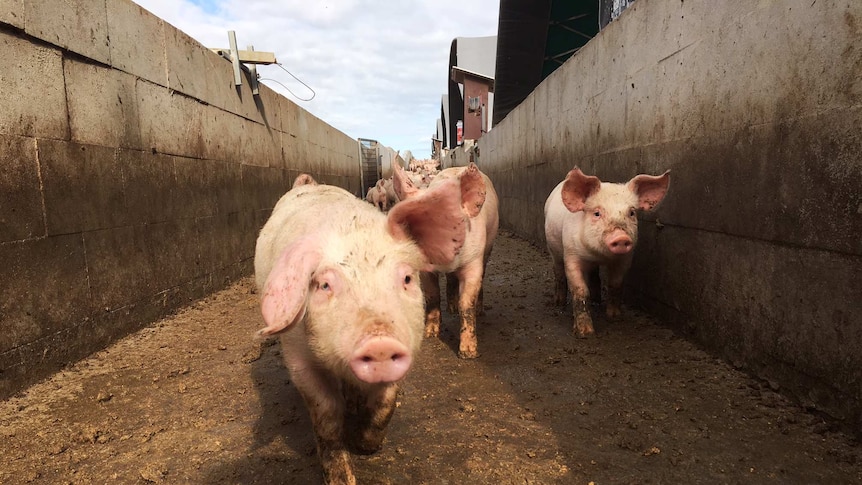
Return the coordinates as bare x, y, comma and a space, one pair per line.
367, 448
587, 334
468, 354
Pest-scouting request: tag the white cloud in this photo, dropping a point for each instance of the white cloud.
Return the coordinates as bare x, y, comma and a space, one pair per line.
378, 68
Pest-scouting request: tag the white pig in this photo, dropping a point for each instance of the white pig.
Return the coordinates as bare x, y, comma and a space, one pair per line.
339, 280
590, 223
376, 196
463, 274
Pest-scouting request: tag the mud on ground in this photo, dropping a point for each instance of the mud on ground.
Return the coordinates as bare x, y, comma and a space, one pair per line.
194, 399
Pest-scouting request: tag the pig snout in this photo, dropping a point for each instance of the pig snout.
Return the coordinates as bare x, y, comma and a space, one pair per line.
380, 359
618, 242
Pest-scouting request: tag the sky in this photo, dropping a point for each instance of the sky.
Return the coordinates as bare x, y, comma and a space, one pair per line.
378, 68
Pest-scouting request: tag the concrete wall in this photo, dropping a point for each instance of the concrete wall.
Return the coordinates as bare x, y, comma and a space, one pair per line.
756, 107
135, 175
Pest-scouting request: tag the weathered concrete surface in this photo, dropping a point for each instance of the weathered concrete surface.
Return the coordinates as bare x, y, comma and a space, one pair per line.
756, 107
136, 176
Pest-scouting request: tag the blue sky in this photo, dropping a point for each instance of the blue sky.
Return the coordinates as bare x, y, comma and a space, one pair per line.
378, 68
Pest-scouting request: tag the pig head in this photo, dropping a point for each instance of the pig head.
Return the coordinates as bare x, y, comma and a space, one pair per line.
339, 281
590, 223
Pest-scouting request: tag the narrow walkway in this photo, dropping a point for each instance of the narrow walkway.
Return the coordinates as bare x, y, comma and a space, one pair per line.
194, 399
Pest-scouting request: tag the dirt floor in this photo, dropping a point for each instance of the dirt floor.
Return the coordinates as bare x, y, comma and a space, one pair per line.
194, 399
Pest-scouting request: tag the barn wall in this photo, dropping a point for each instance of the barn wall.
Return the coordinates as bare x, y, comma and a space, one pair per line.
756, 108
135, 175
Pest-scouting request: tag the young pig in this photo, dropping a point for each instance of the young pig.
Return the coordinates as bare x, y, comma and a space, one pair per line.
463, 274
377, 196
339, 280
590, 223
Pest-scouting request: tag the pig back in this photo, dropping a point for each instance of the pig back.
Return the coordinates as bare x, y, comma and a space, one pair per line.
304, 210
558, 217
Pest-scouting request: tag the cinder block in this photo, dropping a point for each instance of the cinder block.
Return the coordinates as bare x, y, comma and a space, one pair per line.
223, 134
263, 186
12, 13
260, 146
43, 288
137, 41
220, 87
21, 210
187, 64
80, 27
226, 239
271, 108
131, 264
83, 187
207, 187
150, 187
103, 107
33, 95
170, 122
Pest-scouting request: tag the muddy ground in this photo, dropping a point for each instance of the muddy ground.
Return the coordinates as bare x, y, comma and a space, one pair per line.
194, 399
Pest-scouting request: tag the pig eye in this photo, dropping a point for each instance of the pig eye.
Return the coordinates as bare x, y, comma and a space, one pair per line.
325, 286
408, 279
631, 212
597, 213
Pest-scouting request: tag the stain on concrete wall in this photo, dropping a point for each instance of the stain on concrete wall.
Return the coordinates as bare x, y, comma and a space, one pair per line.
757, 110
135, 176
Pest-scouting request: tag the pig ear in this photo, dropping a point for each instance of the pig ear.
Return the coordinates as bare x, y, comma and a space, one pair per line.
404, 187
649, 189
472, 190
286, 287
303, 179
577, 188
434, 219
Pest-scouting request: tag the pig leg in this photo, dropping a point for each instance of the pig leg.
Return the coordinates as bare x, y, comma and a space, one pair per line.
452, 293
370, 413
327, 410
561, 288
470, 282
431, 287
615, 276
576, 273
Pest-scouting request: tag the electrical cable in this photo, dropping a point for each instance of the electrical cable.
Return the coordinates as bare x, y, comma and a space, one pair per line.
313, 93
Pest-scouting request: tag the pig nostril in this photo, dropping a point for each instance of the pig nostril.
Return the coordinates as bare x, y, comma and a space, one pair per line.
366, 358
397, 357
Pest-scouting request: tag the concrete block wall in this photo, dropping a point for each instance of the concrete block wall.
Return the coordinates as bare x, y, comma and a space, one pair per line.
756, 107
135, 175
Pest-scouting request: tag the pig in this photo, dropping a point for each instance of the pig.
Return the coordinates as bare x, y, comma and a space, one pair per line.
340, 282
463, 274
590, 224
377, 196
391, 196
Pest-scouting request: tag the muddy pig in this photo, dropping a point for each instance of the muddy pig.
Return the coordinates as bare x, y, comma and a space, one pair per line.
339, 280
463, 274
590, 223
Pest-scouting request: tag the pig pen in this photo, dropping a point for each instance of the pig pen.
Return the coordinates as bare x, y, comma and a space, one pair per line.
194, 398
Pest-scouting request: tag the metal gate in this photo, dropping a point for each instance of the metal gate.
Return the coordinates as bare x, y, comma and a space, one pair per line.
369, 160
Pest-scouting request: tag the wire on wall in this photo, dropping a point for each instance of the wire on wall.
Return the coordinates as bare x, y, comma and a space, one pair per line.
313, 93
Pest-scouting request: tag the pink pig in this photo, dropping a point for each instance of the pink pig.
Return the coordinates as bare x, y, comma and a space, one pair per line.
463, 274
590, 223
377, 196
339, 280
